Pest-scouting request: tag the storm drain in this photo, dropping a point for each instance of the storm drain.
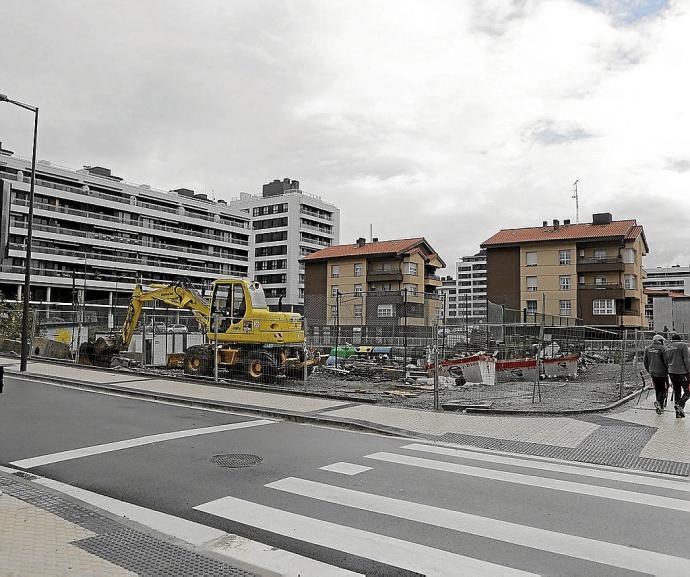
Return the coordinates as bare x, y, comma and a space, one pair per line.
236, 460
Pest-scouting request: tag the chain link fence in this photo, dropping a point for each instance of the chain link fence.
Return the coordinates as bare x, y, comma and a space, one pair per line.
391, 347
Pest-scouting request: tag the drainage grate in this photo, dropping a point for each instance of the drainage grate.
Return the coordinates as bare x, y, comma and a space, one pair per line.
236, 460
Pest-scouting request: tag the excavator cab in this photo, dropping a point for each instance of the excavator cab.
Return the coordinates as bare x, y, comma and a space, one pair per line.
232, 300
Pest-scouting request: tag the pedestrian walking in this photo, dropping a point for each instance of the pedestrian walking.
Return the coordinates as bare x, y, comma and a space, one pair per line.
678, 359
656, 365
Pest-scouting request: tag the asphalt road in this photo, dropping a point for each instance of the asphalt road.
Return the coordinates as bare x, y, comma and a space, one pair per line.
413, 510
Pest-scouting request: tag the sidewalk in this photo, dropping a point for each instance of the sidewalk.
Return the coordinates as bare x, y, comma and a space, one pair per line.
635, 437
43, 533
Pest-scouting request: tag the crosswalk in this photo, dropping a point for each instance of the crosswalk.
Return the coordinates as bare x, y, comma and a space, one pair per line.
376, 512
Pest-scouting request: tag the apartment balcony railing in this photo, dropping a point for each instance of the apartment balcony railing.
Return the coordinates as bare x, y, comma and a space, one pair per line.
595, 260
108, 218
326, 230
315, 241
600, 286
128, 241
316, 214
91, 256
122, 200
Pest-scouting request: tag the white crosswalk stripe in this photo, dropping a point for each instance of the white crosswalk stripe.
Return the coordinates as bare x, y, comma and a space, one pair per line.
535, 481
570, 545
412, 556
582, 470
395, 552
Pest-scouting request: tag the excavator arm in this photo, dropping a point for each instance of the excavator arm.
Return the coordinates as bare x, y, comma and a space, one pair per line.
177, 295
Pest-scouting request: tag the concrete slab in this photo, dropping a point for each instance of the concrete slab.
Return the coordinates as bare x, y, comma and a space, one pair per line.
80, 374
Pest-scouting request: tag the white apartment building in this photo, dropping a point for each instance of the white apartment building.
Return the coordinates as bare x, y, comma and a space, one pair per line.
287, 224
674, 278
465, 295
95, 235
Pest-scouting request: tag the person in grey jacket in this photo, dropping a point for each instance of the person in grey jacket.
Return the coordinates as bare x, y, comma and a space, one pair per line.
678, 359
656, 365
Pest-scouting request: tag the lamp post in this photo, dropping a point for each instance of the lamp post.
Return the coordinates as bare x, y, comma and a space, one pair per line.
29, 233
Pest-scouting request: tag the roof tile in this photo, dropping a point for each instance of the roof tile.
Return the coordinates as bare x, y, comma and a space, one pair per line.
370, 248
628, 229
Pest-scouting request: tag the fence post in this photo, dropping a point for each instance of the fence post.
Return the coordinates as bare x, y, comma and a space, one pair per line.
215, 347
143, 338
304, 358
405, 336
337, 325
623, 351
436, 403
536, 388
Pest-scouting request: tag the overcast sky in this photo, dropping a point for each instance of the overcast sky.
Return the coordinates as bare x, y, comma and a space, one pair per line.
444, 119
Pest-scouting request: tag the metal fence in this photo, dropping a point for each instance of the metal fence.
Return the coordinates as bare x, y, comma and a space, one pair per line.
395, 349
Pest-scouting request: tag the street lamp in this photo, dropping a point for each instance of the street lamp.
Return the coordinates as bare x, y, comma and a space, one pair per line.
26, 296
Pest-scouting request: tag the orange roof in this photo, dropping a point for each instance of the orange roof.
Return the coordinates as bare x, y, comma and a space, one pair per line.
627, 229
381, 247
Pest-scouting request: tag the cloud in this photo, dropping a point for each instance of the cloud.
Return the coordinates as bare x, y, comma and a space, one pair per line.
549, 132
443, 119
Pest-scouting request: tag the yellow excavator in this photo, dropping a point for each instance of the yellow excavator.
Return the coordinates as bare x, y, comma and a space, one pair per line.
247, 338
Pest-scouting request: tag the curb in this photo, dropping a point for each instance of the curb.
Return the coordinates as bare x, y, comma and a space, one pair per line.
561, 413
225, 383
350, 424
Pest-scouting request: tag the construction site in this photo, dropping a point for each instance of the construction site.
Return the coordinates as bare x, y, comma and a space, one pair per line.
538, 364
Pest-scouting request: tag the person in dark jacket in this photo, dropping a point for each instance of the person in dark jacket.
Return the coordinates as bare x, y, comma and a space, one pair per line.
678, 359
656, 365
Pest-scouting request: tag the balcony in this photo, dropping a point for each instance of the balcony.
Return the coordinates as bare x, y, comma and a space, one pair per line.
592, 264
432, 280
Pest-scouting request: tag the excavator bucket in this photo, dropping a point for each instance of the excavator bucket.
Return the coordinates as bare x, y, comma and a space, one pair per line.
100, 353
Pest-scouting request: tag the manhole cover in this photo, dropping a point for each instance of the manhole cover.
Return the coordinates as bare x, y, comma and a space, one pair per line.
236, 460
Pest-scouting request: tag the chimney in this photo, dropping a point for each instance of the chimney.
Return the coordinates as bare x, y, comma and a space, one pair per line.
556, 224
566, 222
361, 241
545, 223
375, 239
602, 218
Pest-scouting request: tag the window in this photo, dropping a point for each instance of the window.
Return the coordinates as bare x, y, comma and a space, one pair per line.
335, 271
531, 258
600, 254
411, 268
334, 311
358, 269
334, 291
358, 311
629, 255
532, 307
601, 280
385, 311
386, 286
630, 281
358, 289
582, 280
564, 256
411, 289
564, 282
531, 283
603, 307
565, 308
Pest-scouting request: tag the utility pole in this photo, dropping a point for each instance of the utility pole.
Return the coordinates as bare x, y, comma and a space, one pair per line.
577, 201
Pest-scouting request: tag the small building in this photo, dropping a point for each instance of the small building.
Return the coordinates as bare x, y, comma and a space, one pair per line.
382, 282
592, 271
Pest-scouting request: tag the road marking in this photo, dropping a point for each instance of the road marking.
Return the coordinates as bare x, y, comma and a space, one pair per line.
534, 481
345, 468
560, 543
253, 555
380, 548
129, 443
545, 466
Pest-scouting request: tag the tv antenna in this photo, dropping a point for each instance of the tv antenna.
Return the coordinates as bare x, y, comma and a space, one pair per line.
577, 201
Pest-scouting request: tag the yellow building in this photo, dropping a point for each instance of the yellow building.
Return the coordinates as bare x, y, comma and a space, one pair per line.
592, 271
373, 283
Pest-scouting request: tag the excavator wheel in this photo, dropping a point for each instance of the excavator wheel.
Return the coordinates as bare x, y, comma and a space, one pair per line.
198, 361
262, 367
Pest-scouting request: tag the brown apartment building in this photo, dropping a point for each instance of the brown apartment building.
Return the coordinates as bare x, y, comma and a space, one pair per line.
592, 271
377, 281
